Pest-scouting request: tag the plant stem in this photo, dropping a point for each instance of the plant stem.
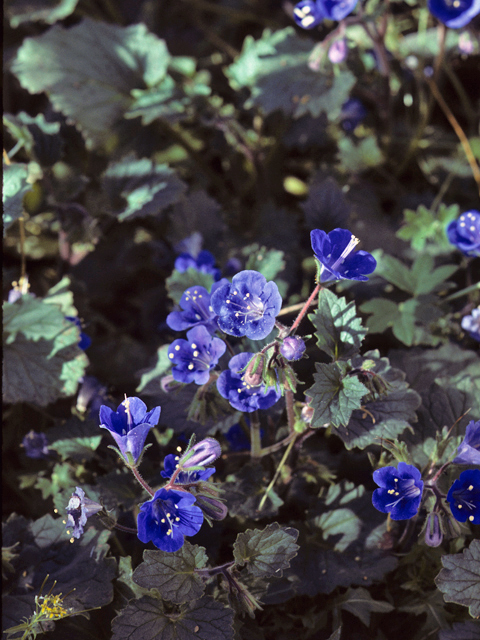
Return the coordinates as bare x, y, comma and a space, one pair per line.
120, 527
304, 308
289, 401
463, 292
255, 439
146, 486
277, 473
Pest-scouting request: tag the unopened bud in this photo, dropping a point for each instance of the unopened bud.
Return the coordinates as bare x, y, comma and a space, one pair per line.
253, 372
338, 51
211, 507
293, 348
307, 413
201, 454
433, 530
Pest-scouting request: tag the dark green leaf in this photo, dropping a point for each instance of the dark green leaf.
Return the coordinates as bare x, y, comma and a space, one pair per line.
244, 493
158, 371
147, 188
276, 70
64, 63
125, 583
146, 619
335, 395
76, 439
39, 138
426, 227
354, 158
461, 631
459, 581
339, 329
178, 282
269, 262
173, 574
49, 11
361, 604
343, 522
15, 186
266, 552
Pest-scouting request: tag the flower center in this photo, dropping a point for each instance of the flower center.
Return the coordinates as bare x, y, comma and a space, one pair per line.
162, 514
345, 253
248, 309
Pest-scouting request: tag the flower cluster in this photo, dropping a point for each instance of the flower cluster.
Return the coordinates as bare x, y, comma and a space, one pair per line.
464, 233
310, 13
203, 262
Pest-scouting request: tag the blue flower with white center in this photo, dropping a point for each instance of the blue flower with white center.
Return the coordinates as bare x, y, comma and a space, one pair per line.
335, 253
454, 13
464, 233
194, 358
472, 324
248, 306
243, 396
400, 491
196, 309
129, 425
204, 262
469, 450
167, 518
307, 14
464, 497
170, 465
79, 509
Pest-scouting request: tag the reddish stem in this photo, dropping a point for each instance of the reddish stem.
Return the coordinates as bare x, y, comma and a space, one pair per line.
304, 309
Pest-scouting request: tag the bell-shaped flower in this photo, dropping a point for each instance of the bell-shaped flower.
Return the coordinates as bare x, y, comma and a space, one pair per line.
79, 509
469, 450
400, 491
335, 253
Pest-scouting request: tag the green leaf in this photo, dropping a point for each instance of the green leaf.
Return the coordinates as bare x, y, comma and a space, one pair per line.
146, 619
335, 395
178, 282
158, 371
76, 439
173, 574
386, 416
460, 631
148, 188
269, 262
354, 158
125, 583
39, 138
64, 64
343, 522
266, 552
15, 186
49, 11
361, 604
459, 580
424, 43
244, 492
275, 68
61, 296
339, 329
36, 320
426, 228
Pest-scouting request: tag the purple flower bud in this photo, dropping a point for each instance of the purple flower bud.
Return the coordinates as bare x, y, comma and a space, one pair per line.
253, 372
433, 530
201, 454
338, 51
212, 508
292, 348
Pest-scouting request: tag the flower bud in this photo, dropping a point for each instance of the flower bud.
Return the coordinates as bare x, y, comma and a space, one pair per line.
433, 530
201, 454
338, 51
253, 372
212, 508
292, 348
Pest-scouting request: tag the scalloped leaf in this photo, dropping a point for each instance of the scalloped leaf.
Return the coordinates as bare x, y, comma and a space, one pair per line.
64, 63
361, 604
15, 186
173, 574
161, 367
76, 439
146, 619
276, 69
266, 552
339, 330
49, 11
459, 580
343, 522
147, 188
335, 395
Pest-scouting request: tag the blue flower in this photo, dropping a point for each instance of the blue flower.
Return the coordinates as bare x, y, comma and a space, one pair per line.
167, 518
79, 509
194, 358
472, 324
248, 306
170, 464
469, 450
85, 340
35, 445
196, 309
293, 348
400, 491
129, 425
464, 233
464, 497
204, 262
335, 252
352, 114
241, 395
309, 13
454, 14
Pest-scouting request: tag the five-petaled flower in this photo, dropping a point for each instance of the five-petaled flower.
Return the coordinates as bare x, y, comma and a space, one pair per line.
79, 509
248, 306
129, 425
242, 396
469, 450
35, 445
309, 13
196, 309
464, 233
400, 491
194, 358
464, 497
454, 14
471, 324
335, 253
204, 262
167, 518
